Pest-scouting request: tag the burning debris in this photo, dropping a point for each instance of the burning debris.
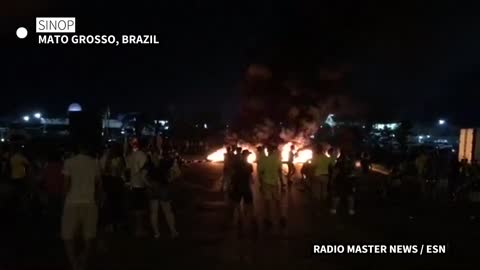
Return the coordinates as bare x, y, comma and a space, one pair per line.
219, 155
302, 154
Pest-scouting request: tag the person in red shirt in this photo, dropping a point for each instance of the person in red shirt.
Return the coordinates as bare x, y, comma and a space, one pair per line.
53, 183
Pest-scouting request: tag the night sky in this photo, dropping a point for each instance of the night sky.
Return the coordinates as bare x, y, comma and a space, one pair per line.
414, 60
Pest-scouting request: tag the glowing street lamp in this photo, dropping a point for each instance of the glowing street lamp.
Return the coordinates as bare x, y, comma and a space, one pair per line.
26, 118
38, 115
442, 122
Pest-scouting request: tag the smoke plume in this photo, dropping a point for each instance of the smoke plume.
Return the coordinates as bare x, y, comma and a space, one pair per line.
277, 109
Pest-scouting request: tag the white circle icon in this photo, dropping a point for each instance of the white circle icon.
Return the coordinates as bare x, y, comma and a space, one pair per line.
22, 32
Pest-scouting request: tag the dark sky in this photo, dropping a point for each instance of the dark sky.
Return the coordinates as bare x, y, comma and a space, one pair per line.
409, 60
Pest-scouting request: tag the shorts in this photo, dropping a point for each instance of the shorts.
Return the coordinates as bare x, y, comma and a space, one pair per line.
270, 192
159, 193
138, 199
84, 216
237, 196
319, 186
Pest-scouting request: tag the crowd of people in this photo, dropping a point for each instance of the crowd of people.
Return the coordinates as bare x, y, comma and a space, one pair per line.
333, 174
428, 170
124, 187
88, 191
329, 178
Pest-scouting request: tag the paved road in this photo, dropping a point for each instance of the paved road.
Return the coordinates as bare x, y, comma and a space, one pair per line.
200, 206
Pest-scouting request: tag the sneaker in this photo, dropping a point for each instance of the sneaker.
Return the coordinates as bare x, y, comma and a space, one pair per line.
333, 211
351, 212
156, 236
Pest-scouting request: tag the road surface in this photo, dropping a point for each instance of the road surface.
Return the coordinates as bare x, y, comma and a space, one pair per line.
200, 208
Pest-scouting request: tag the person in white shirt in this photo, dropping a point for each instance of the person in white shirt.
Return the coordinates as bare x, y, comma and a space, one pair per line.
82, 176
136, 167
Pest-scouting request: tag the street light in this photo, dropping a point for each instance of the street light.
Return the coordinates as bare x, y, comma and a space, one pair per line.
26, 118
38, 115
441, 122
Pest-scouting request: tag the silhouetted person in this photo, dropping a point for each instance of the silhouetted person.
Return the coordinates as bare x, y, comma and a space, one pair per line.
159, 179
365, 162
453, 177
227, 168
421, 163
241, 189
54, 186
19, 166
291, 165
321, 168
260, 160
136, 166
113, 169
343, 183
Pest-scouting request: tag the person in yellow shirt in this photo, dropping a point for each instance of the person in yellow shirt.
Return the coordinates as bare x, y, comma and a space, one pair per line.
18, 166
321, 167
270, 171
18, 176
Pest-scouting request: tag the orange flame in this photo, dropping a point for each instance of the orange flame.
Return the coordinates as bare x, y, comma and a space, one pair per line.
301, 156
219, 155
